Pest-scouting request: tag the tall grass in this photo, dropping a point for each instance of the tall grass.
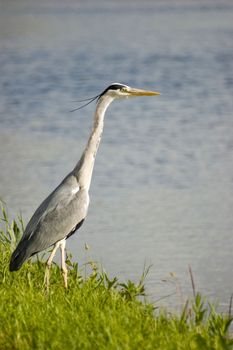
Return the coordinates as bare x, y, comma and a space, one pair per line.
95, 312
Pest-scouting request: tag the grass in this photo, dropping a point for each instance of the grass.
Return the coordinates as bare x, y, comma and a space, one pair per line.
95, 312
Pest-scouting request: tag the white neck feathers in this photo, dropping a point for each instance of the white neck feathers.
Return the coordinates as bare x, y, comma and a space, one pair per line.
84, 169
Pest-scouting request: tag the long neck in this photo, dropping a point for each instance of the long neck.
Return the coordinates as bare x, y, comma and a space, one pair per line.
84, 168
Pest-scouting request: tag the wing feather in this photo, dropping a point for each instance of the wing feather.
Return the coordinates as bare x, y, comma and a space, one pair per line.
55, 218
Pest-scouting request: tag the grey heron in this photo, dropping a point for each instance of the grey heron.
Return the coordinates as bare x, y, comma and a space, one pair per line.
65, 209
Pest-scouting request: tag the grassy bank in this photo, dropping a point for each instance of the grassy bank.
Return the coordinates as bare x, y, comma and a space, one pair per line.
94, 312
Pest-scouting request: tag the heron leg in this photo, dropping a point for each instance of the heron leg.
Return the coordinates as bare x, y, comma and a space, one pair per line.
49, 264
63, 261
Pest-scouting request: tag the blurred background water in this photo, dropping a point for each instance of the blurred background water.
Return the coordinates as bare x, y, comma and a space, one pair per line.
162, 189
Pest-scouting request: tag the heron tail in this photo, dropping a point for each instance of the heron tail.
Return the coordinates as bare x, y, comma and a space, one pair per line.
18, 257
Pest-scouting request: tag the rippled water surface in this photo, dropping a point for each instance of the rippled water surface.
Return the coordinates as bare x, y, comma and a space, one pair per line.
162, 190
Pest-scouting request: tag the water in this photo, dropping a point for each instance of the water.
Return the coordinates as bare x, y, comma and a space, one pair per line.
162, 189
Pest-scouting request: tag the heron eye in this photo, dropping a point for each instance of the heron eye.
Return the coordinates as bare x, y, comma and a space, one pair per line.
123, 89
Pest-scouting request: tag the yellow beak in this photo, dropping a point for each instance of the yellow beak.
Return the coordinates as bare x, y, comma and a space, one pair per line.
139, 92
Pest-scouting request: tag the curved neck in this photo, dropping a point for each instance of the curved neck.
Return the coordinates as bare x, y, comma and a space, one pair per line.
84, 169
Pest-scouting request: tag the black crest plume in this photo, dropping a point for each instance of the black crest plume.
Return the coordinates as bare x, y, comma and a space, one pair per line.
89, 100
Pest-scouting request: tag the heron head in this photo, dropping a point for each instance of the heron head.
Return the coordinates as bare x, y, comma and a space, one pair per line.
118, 90
114, 91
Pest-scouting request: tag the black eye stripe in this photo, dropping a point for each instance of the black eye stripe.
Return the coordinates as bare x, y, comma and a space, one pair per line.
112, 87
115, 87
